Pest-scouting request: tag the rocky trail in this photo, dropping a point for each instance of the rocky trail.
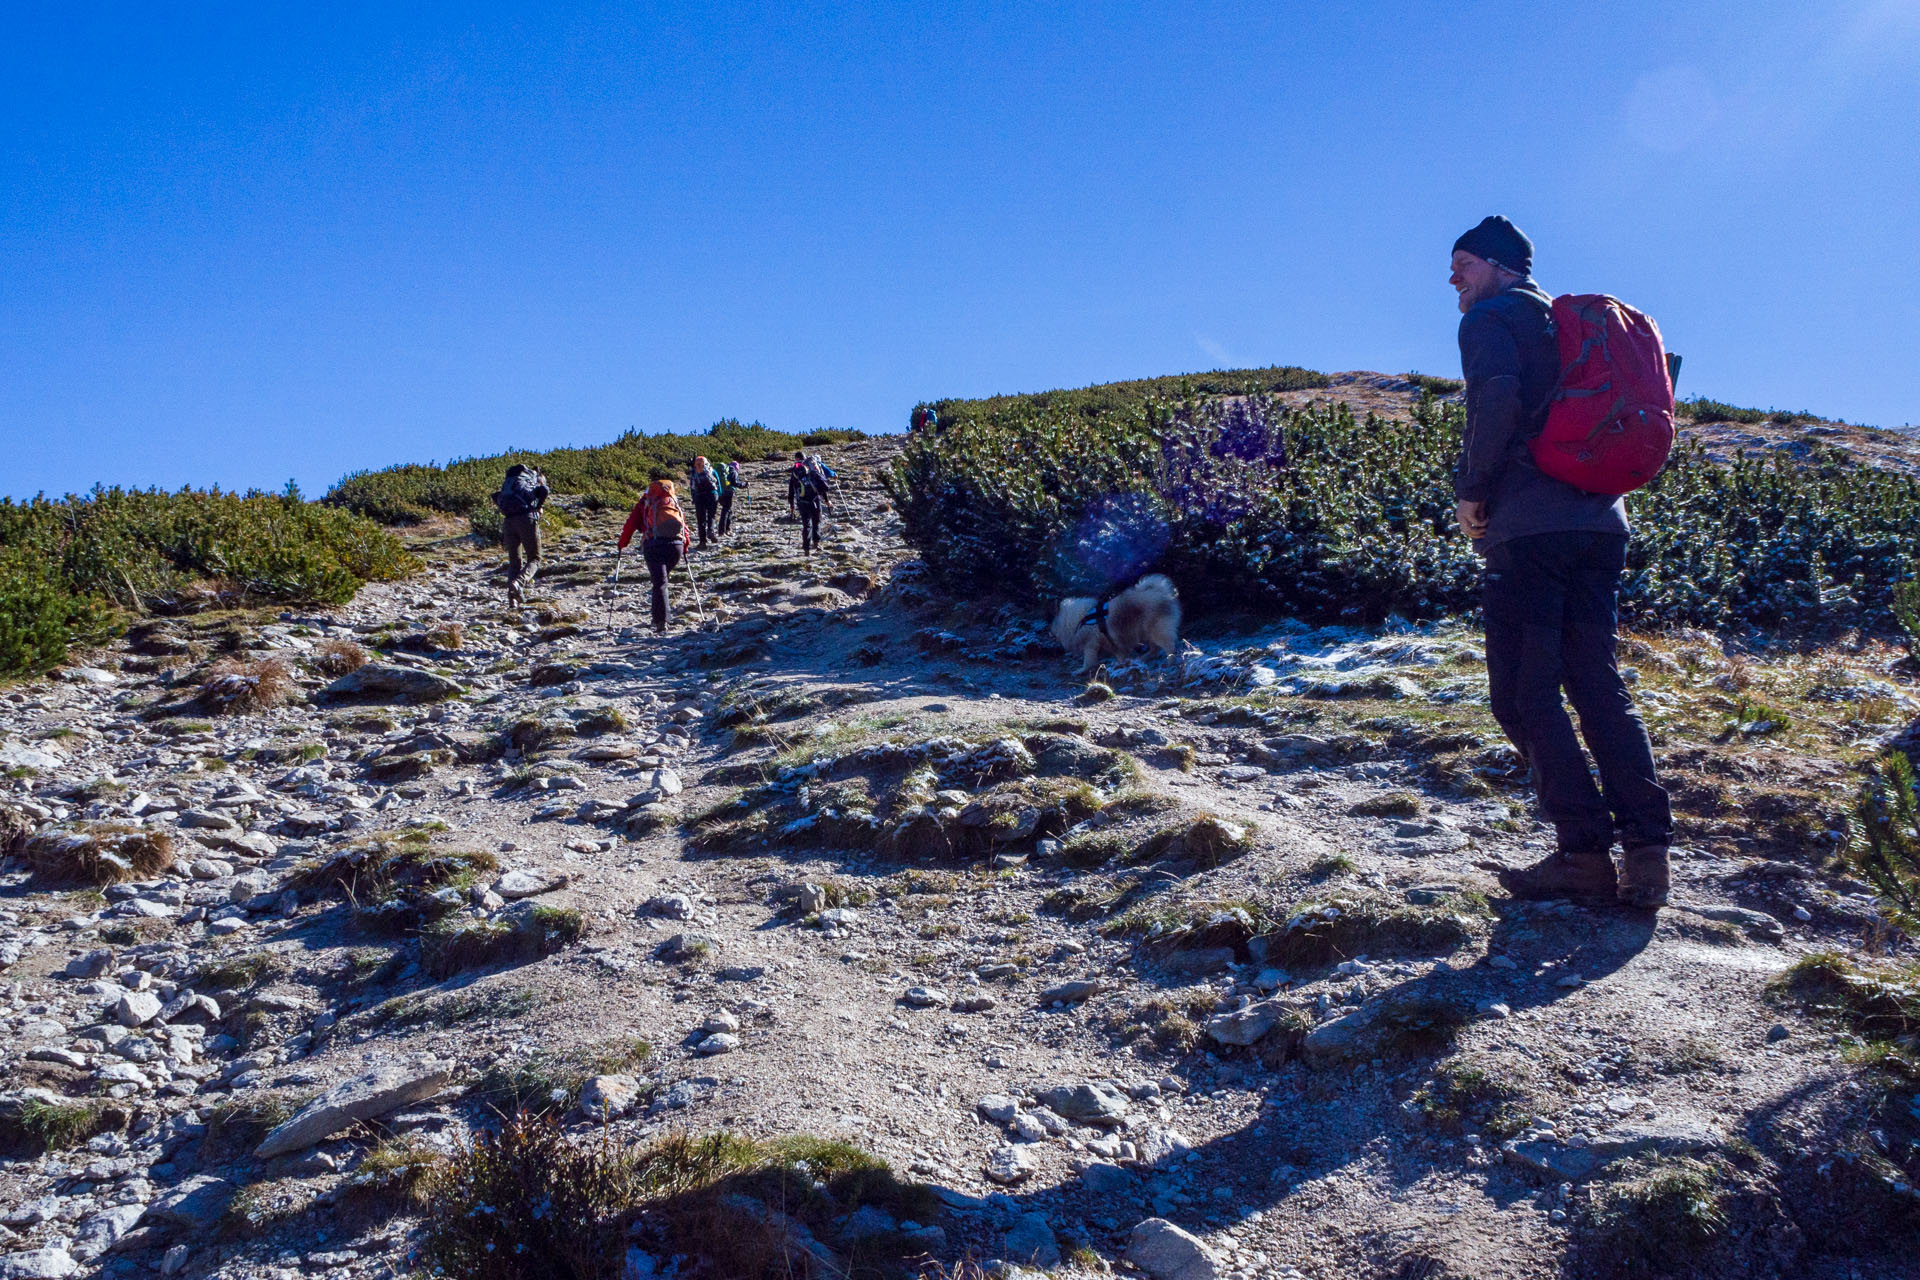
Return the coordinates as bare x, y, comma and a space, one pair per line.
1197, 974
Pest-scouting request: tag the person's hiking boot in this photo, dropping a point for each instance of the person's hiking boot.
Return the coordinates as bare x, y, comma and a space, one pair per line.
1644, 878
1563, 874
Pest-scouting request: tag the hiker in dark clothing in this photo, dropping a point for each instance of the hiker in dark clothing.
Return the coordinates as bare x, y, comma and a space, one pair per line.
705, 486
807, 493
664, 539
793, 478
729, 485
522, 494
1554, 555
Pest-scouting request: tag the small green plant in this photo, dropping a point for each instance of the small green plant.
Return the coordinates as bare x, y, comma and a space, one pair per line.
526, 1203
234, 972
1660, 1215
1466, 1094
31, 1126
1330, 865
547, 1083
1390, 804
396, 1170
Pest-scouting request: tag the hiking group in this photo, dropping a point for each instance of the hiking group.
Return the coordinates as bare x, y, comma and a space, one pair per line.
1569, 406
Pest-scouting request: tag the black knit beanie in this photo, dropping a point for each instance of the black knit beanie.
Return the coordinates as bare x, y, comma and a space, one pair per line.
1499, 242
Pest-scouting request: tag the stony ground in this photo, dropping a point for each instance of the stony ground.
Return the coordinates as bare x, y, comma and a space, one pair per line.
838, 857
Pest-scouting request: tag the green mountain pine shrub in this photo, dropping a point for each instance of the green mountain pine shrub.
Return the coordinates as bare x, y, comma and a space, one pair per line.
1315, 512
608, 475
70, 568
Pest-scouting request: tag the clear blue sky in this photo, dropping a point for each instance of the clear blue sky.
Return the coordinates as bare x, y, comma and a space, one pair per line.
240, 244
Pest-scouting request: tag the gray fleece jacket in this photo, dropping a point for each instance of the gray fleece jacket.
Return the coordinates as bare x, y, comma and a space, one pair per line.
1510, 363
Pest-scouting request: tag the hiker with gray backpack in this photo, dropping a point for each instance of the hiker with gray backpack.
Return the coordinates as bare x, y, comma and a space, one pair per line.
519, 500
1569, 407
809, 486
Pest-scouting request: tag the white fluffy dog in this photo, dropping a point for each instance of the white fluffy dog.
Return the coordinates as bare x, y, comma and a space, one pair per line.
1148, 612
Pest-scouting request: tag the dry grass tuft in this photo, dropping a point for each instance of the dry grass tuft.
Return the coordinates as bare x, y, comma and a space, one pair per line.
447, 637
99, 853
338, 657
529, 1203
16, 828
238, 687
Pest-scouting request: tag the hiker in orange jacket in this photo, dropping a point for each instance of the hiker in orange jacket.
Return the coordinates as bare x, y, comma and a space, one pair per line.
664, 538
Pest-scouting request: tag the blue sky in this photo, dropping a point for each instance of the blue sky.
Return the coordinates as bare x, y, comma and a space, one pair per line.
240, 244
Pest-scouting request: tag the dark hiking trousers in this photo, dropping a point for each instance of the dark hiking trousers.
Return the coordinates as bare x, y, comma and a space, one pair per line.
520, 534
703, 511
1550, 613
661, 554
726, 512
809, 526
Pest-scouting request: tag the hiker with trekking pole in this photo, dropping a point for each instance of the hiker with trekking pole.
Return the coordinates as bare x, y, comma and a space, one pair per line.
664, 540
1569, 407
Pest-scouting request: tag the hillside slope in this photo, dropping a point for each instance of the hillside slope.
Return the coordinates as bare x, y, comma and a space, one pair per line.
842, 858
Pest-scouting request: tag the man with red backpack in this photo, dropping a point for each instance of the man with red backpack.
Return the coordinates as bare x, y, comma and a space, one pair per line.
1554, 554
664, 538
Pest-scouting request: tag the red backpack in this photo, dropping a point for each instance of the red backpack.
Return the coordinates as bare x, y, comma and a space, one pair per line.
1610, 418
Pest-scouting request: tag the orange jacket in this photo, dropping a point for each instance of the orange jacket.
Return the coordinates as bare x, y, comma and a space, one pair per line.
647, 511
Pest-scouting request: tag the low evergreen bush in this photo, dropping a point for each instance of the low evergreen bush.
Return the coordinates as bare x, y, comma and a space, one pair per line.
1315, 512
609, 475
71, 568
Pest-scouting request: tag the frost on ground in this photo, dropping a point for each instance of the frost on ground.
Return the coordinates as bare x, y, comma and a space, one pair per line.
1205, 975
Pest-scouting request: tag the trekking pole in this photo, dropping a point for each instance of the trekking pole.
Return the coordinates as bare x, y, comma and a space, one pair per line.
613, 585
688, 565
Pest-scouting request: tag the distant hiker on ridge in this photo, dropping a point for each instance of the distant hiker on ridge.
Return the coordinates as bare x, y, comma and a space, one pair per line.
664, 538
706, 497
521, 496
1554, 555
807, 491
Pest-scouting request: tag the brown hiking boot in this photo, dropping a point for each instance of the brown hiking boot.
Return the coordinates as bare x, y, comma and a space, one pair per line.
1643, 877
1581, 876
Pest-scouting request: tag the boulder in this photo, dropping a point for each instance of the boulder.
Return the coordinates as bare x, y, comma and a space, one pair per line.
1095, 1104
1342, 1038
38, 1264
1011, 1165
608, 1097
207, 820
1159, 1145
385, 682
1246, 1026
529, 883
365, 1097
1104, 1179
192, 1205
136, 1009
406, 766
1030, 1240
103, 1230
998, 1107
1165, 1252
90, 964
